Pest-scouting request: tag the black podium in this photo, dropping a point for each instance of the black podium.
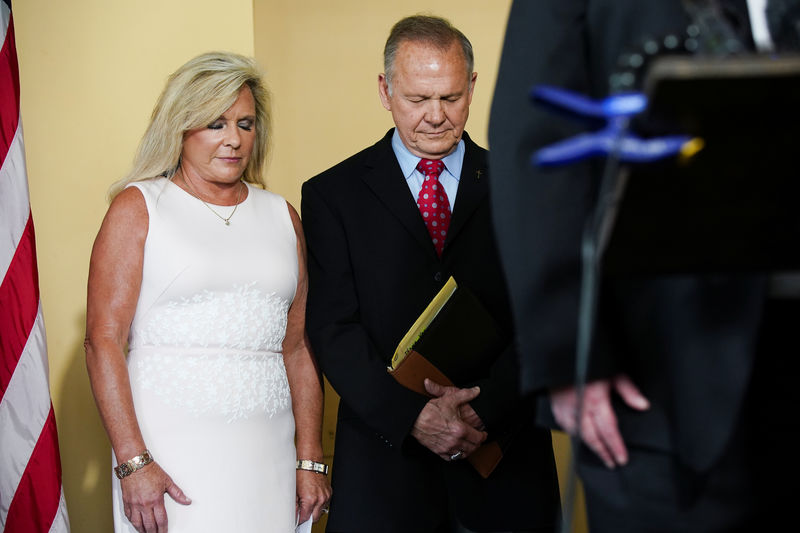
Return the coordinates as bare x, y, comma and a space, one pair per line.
735, 205
732, 207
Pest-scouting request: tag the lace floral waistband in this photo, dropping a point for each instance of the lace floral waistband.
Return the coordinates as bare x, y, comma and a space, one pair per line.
233, 383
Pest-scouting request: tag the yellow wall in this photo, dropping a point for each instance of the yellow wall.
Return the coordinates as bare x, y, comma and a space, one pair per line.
91, 71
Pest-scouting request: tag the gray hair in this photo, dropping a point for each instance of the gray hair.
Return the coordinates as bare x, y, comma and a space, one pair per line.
436, 31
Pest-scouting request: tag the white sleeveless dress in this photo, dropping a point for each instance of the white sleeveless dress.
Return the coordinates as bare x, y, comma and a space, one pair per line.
206, 369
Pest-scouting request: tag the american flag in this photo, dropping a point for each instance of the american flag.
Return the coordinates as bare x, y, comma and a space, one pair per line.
31, 496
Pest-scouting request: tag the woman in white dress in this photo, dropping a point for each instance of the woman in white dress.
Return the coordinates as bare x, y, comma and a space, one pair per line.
200, 273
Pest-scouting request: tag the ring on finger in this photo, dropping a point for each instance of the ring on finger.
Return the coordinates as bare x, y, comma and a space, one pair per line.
456, 456
326, 509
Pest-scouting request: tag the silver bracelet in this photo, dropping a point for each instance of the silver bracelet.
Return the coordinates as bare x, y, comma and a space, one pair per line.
312, 466
132, 465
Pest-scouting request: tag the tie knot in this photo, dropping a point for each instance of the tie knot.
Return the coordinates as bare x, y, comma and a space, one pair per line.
431, 167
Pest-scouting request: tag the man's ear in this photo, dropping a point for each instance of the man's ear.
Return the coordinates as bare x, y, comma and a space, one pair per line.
472, 81
383, 91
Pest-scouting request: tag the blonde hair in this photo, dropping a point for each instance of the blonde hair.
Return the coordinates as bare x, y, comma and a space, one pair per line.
197, 94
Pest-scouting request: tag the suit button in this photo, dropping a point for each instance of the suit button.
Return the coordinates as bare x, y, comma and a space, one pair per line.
437, 277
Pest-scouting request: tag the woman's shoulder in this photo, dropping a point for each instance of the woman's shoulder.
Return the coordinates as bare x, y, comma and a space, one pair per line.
127, 212
267, 198
277, 204
149, 186
264, 195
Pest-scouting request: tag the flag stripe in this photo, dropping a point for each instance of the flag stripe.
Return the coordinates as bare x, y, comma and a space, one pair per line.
39, 493
31, 493
23, 413
14, 207
9, 87
19, 300
61, 521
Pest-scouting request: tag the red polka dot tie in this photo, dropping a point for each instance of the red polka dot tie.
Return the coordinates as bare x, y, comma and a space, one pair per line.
433, 203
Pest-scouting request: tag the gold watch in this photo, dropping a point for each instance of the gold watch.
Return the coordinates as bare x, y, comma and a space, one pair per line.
312, 466
132, 465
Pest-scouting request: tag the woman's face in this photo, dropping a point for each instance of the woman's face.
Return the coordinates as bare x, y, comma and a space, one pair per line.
220, 151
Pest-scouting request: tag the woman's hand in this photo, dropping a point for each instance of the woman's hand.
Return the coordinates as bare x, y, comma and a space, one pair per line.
313, 495
143, 498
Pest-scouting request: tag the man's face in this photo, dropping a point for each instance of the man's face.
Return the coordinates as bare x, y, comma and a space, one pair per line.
430, 97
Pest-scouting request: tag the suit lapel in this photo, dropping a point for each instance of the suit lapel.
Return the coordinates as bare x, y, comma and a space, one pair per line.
384, 177
472, 189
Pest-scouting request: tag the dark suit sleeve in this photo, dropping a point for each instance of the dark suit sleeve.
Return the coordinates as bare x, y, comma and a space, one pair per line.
500, 404
347, 355
539, 214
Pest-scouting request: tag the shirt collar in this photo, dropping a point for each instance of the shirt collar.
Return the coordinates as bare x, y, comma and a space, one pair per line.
408, 161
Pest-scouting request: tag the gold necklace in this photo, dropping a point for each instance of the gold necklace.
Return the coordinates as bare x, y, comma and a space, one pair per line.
227, 221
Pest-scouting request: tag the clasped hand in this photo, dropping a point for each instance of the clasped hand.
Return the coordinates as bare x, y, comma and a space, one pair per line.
143, 498
598, 423
448, 424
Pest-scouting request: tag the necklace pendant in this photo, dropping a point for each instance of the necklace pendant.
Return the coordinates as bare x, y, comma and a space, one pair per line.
227, 222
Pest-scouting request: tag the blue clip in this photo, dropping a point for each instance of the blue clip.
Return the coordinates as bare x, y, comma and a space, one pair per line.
611, 139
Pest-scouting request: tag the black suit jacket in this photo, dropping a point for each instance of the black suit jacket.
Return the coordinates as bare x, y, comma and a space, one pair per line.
372, 270
688, 342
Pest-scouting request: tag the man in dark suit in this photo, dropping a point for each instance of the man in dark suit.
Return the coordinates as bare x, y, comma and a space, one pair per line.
690, 377
375, 262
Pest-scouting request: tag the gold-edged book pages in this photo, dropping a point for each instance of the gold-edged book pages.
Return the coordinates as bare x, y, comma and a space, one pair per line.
423, 321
